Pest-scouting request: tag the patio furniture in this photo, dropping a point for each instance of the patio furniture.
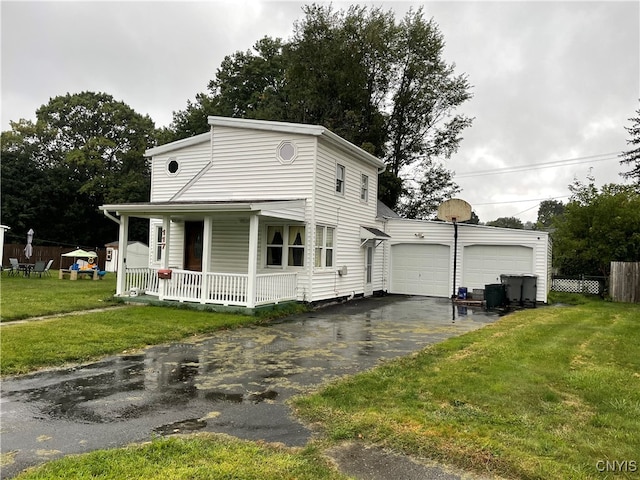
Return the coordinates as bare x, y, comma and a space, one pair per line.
39, 267
26, 268
15, 266
47, 269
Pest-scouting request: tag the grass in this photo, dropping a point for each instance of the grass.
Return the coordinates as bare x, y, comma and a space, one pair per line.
80, 338
203, 456
542, 393
22, 297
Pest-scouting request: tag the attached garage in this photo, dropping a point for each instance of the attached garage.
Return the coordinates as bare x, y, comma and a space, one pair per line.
483, 264
420, 269
421, 256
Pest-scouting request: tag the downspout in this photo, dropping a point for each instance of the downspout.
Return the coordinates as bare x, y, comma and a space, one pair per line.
111, 217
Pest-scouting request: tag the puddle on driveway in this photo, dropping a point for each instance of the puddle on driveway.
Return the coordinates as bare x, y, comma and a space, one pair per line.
235, 382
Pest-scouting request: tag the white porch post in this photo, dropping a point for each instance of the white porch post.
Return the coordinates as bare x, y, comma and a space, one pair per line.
123, 237
206, 258
166, 230
252, 269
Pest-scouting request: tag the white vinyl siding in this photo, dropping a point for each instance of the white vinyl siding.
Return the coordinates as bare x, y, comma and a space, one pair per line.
191, 160
347, 213
245, 165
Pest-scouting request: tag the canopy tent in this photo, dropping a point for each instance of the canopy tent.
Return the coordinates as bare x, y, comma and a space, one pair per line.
80, 253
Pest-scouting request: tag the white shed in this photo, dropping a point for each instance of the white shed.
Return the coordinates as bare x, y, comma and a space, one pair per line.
137, 255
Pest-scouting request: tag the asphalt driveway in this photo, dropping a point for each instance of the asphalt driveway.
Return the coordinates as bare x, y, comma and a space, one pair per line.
235, 382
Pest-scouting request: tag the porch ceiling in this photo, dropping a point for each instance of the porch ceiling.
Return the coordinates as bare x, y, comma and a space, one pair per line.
287, 209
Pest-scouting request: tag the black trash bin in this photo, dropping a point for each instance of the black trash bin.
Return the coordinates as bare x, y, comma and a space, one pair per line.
494, 295
521, 289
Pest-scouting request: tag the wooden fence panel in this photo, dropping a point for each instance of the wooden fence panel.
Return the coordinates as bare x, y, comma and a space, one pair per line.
625, 282
46, 253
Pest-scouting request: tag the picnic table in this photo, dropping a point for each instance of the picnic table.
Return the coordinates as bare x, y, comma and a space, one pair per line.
74, 274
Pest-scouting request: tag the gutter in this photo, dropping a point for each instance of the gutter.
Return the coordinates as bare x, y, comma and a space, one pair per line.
110, 217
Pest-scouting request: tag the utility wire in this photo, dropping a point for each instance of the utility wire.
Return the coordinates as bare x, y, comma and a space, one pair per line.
538, 166
520, 201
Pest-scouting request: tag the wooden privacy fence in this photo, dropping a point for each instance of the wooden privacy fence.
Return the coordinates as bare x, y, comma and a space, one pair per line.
16, 250
625, 282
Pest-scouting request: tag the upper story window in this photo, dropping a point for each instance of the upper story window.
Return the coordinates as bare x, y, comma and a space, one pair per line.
364, 188
340, 178
325, 241
172, 166
287, 152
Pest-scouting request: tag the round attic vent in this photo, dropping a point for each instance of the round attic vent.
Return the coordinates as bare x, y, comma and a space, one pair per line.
287, 152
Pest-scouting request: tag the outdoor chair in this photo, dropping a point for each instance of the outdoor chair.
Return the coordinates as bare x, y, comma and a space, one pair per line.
15, 267
39, 267
47, 269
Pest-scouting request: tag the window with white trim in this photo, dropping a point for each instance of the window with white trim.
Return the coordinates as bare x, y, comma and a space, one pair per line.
275, 245
364, 188
285, 245
340, 171
159, 242
325, 241
296, 246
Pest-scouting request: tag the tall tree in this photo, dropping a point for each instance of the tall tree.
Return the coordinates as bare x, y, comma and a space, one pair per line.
381, 84
547, 211
87, 150
632, 157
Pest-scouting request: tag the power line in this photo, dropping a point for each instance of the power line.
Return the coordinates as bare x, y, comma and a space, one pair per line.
556, 163
521, 201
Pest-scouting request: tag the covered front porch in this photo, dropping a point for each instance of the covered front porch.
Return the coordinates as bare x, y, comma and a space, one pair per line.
226, 289
209, 253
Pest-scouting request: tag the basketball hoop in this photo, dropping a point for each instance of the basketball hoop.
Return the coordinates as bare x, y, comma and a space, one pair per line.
454, 211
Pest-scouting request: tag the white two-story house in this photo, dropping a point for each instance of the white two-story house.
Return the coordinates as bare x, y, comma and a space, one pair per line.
257, 212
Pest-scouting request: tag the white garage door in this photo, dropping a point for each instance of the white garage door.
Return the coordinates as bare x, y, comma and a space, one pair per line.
483, 264
420, 270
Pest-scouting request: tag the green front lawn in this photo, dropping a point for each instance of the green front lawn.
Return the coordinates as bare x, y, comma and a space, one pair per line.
542, 393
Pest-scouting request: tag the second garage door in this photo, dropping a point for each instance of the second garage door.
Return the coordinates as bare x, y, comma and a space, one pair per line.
483, 264
420, 270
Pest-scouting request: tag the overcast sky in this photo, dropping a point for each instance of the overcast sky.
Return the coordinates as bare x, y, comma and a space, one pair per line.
552, 81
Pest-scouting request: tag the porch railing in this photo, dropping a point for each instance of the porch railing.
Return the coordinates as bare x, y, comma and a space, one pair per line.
220, 288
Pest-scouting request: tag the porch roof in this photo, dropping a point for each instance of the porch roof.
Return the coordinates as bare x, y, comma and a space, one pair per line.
372, 233
287, 209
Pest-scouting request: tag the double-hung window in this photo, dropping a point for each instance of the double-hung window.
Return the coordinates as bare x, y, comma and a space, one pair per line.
340, 172
159, 242
285, 245
364, 188
325, 246
275, 245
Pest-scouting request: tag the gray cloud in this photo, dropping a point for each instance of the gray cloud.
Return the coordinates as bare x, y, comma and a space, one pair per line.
552, 80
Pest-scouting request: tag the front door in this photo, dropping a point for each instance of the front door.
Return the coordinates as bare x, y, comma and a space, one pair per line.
193, 233
368, 270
